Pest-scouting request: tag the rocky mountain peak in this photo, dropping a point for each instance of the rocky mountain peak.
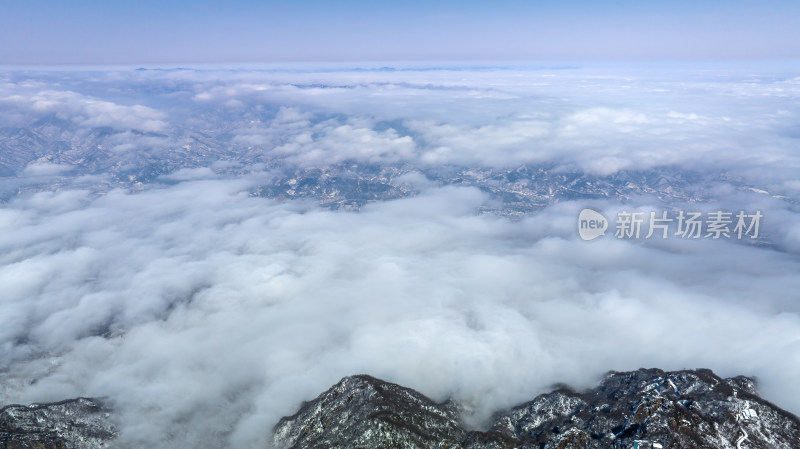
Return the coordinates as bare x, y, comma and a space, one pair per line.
647, 409
367, 412
81, 423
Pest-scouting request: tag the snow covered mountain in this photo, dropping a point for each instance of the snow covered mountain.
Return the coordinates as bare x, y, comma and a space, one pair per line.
648, 408
80, 423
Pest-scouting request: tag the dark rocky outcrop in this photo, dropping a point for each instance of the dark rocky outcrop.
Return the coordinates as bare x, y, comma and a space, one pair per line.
72, 424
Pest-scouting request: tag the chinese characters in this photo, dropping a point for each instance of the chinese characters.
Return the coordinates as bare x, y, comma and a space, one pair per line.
689, 225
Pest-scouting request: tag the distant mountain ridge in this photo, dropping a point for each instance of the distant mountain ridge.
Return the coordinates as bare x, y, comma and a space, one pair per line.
88, 162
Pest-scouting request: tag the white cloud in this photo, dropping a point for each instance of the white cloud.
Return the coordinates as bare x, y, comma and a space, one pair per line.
292, 137
41, 168
91, 112
190, 174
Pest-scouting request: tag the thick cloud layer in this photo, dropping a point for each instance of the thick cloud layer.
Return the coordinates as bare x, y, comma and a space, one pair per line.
199, 305
206, 314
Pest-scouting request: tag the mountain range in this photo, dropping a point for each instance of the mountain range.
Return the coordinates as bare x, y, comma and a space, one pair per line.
643, 409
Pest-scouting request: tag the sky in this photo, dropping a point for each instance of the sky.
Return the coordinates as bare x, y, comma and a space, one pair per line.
140, 32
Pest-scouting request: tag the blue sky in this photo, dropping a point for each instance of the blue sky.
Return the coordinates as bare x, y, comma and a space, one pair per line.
101, 32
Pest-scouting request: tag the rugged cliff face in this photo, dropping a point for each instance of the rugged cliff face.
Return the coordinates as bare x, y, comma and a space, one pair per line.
644, 409
73, 424
362, 411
